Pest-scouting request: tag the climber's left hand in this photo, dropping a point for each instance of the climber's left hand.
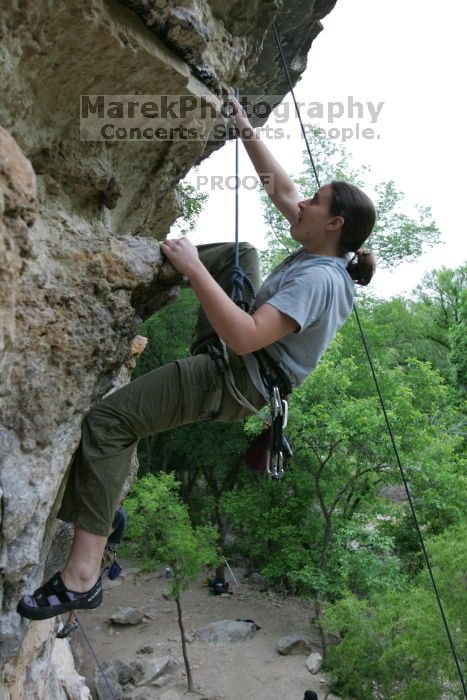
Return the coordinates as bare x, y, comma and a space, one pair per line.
182, 254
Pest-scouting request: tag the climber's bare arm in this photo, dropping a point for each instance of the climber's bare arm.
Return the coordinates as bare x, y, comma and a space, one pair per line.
240, 331
281, 189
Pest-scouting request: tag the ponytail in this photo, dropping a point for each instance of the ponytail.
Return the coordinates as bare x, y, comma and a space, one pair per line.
359, 215
362, 267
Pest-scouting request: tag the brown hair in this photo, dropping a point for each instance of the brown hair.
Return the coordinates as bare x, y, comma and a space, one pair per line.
359, 216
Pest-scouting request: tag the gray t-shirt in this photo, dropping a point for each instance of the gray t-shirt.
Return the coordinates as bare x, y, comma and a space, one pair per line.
317, 292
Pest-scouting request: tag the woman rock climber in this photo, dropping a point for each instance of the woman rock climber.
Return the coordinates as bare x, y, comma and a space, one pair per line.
297, 312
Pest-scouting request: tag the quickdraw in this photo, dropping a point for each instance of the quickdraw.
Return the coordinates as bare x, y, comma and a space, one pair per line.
279, 449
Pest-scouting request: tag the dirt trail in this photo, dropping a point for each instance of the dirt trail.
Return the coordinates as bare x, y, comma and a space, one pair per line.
237, 671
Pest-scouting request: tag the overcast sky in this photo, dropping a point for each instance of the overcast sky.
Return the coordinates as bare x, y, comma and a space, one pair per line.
411, 56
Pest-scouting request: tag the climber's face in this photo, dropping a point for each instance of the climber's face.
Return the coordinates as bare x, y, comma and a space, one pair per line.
315, 226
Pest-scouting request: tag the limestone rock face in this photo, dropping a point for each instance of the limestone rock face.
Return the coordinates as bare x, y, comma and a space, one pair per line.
17, 208
80, 225
232, 44
220, 41
44, 668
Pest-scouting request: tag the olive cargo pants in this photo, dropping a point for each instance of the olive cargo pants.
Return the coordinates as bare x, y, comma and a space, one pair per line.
184, 391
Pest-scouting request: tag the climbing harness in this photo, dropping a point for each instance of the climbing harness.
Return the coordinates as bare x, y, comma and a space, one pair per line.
381, 399
218, 352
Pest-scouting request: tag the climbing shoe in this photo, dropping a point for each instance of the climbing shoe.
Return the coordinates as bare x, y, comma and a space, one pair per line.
53, 598
68, 628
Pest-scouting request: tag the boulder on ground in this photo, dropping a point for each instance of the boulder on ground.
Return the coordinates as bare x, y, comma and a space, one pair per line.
127, 616
161, 681
152, 668
293, 644
123, 677
225, 631
314, 661
117, 673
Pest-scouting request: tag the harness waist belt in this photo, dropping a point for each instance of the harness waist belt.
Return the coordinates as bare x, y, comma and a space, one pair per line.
272, 373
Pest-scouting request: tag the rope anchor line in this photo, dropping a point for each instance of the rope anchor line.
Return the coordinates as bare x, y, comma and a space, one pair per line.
99, 666
381, 400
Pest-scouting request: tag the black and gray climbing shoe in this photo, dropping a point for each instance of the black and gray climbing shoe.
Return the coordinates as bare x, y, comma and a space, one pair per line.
54, 598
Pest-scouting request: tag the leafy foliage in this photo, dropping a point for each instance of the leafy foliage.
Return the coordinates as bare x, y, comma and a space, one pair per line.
441, 305
169, 333
333, 494
160, 530
395, 646
458, 344
398, 235
191, 203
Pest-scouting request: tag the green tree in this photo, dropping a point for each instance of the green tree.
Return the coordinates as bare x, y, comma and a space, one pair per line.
398, 235
191, 203
441, 304
458, 344
169, 333
394, 645
442, 294
298, 532
160, 532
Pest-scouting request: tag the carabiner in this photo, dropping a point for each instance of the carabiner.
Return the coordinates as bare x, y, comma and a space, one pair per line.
276, 403
285, 413
275, 465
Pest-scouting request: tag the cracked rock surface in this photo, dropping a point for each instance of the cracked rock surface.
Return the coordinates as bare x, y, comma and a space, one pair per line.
80, 225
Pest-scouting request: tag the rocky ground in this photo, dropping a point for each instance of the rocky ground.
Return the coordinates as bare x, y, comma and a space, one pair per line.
144, 659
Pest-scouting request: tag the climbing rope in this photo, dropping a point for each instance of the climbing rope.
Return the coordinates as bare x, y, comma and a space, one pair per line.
99, 666
239, 278
381, 400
